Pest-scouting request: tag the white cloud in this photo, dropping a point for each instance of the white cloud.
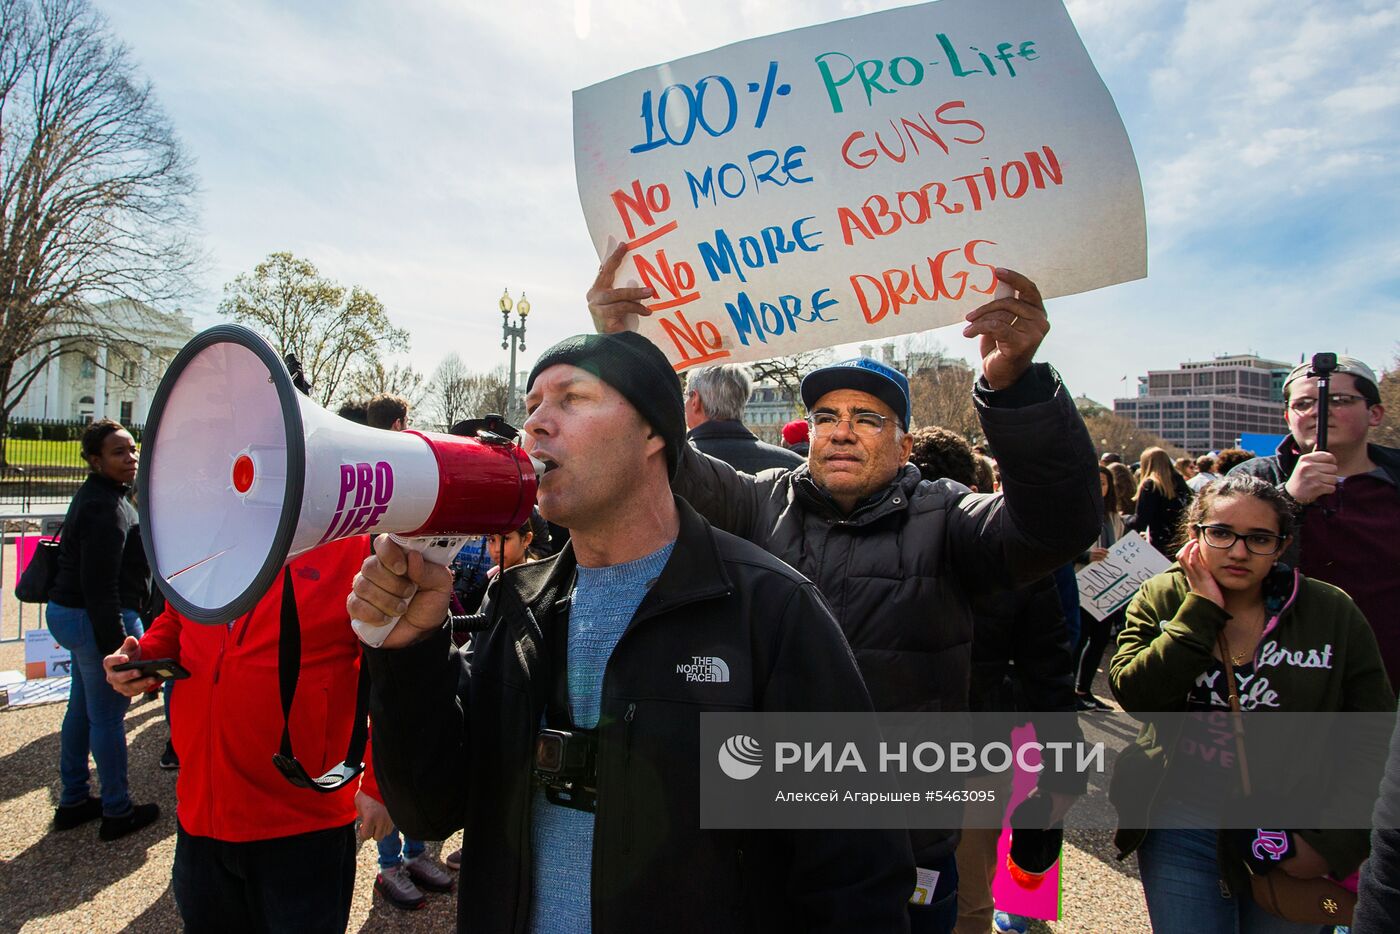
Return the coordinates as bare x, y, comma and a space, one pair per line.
1254, 98
423, 149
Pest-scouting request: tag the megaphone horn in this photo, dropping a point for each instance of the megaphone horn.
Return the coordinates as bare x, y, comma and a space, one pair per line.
240, 472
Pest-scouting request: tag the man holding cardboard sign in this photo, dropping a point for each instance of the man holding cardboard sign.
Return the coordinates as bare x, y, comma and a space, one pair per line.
897, 557
565, 741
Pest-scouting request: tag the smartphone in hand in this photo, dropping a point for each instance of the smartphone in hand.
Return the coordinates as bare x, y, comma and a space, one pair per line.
167, 669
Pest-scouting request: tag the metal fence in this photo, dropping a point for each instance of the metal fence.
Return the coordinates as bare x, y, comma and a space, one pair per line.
43, 461
16, 531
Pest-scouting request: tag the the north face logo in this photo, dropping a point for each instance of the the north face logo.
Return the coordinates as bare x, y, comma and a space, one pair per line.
707, 668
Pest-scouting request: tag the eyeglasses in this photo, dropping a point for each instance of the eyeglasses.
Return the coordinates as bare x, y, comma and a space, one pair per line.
1337, 400
864, 424
1257, 543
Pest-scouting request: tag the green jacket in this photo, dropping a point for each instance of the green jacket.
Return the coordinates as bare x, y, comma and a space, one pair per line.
1167, 643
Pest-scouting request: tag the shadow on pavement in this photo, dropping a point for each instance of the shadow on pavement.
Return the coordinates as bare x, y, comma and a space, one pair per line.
39, 882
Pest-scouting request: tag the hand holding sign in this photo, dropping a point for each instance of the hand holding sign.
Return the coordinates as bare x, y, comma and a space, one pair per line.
858, 180
1011, 328
615, 310
1107, 585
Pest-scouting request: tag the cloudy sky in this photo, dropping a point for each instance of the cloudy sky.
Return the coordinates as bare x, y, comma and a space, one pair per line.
423, 150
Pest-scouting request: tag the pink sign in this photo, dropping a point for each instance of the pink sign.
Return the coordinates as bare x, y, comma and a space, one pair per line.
25, 546
1043, 901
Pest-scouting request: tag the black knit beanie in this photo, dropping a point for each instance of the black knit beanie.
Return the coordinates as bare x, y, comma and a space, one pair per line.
635, 367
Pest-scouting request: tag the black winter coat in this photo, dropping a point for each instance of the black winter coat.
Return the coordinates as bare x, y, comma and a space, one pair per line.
1022, 661
898, 571
1378, 897
738, 447
102, 564
453, 738
1159, 515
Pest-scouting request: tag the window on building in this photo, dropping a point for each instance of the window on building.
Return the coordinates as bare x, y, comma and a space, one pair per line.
126, 413
87, 368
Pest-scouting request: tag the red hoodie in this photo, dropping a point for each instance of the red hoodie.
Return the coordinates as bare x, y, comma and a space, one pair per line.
226, 718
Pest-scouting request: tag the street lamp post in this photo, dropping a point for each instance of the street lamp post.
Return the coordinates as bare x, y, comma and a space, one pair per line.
512, 336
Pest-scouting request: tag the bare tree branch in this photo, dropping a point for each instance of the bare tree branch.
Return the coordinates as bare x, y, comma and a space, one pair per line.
941, 395
455, 393
371, 379
299, 311
1388, 432
96, 192
1114, 433
787, 372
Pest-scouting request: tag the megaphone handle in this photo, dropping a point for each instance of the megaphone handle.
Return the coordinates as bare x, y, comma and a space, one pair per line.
434, 550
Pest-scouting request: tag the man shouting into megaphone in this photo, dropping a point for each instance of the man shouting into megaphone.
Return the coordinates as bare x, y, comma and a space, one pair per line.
565, 741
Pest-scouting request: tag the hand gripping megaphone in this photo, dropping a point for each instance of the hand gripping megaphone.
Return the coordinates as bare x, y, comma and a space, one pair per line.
240, 472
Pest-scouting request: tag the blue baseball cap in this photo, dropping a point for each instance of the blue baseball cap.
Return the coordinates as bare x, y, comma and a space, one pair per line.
866, 375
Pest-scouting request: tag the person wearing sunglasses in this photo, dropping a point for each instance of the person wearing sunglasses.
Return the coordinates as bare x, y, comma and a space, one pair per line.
1349, 494
1294, 645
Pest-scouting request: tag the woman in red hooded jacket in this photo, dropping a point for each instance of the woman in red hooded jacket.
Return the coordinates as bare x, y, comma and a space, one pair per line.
254, 851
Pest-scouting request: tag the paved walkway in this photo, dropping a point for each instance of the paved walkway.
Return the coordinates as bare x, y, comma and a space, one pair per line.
71, 882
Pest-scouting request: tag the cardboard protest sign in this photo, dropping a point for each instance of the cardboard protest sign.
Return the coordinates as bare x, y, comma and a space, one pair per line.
43, 656
1106, 585
859, 179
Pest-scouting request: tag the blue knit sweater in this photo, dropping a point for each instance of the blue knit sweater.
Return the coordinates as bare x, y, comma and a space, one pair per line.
603, 603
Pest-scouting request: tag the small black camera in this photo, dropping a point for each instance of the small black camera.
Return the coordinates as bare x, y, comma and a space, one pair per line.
566, 766
1323, 364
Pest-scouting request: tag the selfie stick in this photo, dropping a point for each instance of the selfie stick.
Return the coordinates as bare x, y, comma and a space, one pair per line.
1323, 365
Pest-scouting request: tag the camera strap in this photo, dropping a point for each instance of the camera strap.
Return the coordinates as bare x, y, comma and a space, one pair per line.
559, 708
288, 673
580, 791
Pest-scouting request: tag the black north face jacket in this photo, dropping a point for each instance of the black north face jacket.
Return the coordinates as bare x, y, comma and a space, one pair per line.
453, 740
898, 571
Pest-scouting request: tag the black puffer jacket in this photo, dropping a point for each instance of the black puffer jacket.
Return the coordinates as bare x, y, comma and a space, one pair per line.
898, 571
101, 562
1021, 661
453, 746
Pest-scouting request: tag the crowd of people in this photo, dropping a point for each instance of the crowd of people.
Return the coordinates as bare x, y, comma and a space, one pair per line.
528, 695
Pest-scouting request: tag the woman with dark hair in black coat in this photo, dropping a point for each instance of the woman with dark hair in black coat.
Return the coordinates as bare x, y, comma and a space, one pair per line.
102, 581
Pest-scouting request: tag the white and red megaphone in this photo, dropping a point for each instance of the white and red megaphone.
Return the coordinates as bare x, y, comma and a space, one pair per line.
240, 472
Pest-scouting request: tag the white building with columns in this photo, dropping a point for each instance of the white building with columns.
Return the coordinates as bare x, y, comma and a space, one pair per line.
111, 378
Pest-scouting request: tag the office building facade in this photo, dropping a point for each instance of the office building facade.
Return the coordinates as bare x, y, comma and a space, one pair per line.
1206, 405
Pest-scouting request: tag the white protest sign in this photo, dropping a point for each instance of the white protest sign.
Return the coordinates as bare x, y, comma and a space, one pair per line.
43, 656
1106, 585
859, 179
